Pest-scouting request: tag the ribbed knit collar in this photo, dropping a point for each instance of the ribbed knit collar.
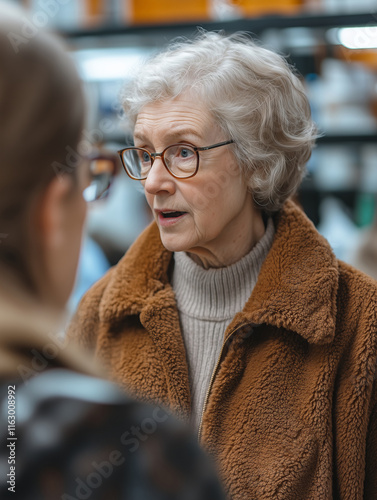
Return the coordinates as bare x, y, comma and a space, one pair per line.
217, 294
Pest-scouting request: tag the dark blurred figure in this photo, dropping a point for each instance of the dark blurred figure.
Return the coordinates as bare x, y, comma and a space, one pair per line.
78, 437
65, 433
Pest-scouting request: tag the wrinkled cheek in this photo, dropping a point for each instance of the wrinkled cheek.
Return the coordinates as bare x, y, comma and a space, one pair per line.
206, 196
214, 186
204, 225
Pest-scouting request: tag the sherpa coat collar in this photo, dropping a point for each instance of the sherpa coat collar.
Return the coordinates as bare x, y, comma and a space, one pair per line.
297, 285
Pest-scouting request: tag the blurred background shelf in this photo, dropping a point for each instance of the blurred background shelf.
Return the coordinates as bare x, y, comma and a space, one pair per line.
252, 25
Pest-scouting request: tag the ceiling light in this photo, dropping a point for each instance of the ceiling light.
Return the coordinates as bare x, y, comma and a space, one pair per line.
358, 38
109, 64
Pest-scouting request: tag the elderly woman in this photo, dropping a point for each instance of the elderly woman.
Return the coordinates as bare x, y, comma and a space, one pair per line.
230, 309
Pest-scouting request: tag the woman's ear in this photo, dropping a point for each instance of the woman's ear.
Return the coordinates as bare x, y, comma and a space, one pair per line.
52, 212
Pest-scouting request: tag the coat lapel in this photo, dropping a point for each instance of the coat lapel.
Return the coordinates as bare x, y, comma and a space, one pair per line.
161, 320
141, 287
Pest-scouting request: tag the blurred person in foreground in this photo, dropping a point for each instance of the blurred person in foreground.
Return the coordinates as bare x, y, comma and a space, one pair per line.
65, 434
230, 308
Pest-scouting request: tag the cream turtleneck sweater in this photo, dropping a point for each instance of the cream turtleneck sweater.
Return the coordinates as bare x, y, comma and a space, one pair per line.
207, 301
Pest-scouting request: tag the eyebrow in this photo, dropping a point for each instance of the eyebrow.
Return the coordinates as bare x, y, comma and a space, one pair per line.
171, 135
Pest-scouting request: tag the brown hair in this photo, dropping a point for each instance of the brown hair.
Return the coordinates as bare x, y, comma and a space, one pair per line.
41, 114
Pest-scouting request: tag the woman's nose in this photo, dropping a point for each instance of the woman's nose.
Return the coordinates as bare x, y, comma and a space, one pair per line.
159, 179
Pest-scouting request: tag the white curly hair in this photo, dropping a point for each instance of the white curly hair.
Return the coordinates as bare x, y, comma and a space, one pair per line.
254, 96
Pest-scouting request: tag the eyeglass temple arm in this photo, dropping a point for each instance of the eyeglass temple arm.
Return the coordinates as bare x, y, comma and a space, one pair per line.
215, 145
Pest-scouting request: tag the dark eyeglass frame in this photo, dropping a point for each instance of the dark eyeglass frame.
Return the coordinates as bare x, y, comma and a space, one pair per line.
153, 156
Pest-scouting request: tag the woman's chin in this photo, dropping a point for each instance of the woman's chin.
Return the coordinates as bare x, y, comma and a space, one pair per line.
173, 244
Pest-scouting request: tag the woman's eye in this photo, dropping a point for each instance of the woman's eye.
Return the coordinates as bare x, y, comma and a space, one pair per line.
145, 157
186, 153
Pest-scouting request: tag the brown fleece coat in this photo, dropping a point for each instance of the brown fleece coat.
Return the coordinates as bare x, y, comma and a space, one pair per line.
292, 409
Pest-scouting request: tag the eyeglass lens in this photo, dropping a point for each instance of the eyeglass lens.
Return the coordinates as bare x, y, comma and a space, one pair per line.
180, 159
101, 173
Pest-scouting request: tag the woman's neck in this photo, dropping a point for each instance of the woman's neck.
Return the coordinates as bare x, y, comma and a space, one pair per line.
227, 252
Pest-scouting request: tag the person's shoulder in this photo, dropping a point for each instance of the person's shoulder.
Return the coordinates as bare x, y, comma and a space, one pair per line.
135, 261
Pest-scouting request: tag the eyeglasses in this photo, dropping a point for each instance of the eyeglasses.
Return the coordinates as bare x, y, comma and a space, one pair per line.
180, 160
103, 167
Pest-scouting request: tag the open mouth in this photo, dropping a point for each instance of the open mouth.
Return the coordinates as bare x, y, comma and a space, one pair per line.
168, 215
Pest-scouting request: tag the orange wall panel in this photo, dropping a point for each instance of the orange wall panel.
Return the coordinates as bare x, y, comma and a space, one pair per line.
261, 7
167, 11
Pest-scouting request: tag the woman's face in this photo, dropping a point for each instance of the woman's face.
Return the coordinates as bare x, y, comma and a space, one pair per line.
217, 218
64, 211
